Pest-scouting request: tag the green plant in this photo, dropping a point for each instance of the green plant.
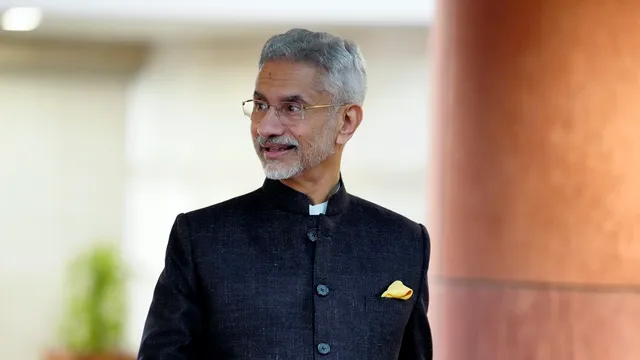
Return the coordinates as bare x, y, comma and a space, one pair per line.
94, 315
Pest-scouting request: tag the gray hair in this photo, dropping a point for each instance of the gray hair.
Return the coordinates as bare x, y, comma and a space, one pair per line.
345, 75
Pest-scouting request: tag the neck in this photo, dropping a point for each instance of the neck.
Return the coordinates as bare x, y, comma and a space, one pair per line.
316, 183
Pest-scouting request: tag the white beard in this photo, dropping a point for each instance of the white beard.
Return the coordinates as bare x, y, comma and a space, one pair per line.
307, 158
276, 170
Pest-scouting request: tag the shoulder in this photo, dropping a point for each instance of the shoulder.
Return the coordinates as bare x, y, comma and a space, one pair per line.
224, 211
380, 216
389, 224
392, 230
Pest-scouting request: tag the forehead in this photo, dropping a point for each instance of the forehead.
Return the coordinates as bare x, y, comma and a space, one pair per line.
278, 80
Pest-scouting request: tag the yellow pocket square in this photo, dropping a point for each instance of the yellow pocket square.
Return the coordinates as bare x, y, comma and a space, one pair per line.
397, 290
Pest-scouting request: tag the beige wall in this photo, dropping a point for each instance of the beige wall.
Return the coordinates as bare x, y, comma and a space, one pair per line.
61, 185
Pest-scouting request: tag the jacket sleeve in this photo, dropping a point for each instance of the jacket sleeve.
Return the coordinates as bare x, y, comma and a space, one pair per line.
417, 342
173, 325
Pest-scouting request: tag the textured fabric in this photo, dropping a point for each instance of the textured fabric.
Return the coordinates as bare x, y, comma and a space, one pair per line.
257, 277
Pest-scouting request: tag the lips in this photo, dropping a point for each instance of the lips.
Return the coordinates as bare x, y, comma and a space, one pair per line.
277, 147
275, 151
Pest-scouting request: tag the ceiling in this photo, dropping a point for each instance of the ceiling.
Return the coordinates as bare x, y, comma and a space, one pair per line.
170, 19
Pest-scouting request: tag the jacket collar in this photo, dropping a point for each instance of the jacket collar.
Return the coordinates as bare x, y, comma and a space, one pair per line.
290, 200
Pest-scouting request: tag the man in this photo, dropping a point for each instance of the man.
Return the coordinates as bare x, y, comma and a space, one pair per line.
299, 268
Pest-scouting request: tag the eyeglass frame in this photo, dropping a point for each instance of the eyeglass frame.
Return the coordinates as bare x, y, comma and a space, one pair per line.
278, 109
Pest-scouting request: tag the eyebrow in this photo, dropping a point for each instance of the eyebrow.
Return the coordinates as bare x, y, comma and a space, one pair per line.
294, 98
258, 96
290, 98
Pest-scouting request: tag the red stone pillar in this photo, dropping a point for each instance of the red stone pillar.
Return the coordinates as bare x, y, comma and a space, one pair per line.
537, 246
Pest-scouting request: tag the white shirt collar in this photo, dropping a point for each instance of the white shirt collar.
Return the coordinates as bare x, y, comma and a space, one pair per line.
318, 209
322, 208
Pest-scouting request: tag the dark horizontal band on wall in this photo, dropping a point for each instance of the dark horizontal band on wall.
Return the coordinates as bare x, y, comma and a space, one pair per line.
535, 285
70, 55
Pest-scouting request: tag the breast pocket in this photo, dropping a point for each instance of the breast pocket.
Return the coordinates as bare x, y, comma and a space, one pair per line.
387, 310
386, 322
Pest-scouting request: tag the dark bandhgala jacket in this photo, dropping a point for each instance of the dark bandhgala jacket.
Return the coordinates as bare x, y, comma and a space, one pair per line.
257, 277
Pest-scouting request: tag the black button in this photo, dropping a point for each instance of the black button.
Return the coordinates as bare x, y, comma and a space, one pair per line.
324, 349
322, 290
313, 234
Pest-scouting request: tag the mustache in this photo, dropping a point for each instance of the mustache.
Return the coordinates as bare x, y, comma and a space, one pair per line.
280, 140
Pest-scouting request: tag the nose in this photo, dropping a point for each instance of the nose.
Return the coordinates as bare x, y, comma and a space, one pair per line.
270, 125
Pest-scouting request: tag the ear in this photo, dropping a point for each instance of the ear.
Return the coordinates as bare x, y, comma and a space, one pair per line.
351, 119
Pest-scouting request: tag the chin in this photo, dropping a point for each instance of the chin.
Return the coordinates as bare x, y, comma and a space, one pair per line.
279, 171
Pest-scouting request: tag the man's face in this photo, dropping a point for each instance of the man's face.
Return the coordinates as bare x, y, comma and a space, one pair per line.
287, 148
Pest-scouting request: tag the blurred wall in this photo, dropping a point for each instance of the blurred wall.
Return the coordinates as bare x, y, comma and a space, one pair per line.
61, 183
119, 157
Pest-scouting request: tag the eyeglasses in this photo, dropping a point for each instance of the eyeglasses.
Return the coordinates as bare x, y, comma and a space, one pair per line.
287, 112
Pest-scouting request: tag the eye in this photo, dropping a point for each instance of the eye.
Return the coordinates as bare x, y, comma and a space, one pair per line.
291, 108
260, 106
